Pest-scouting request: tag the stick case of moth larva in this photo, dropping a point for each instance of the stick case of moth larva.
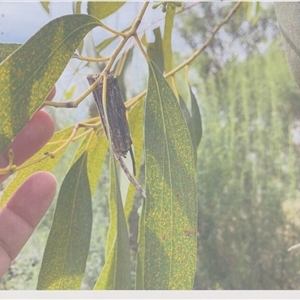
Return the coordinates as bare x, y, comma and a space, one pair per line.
116, 115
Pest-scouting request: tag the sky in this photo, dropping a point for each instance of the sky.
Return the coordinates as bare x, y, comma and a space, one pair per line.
20, 20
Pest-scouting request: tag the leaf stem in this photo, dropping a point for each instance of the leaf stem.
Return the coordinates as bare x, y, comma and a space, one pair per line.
11, 168
112, 58
91, 59
134, 100
127, 35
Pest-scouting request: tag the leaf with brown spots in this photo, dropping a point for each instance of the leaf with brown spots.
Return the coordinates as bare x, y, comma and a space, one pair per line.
28, 75
68, 243
167, 256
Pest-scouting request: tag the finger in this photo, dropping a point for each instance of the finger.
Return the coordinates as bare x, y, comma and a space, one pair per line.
22, 213
31, 139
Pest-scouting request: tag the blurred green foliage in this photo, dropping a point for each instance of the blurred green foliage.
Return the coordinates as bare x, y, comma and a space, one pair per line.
248, 174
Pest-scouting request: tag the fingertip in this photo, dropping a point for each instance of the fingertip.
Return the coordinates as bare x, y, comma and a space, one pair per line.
45, 120
31, 139
33, 198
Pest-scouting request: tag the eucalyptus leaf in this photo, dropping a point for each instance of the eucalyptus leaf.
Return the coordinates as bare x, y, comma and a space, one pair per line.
289, 22
68, 243
28, 75
102, 10
7, 49
155, 50
45, 5
170, 228
115, 274
167, 40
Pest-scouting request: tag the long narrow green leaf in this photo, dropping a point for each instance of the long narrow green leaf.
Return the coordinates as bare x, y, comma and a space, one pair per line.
45, 5
140, 268
171, 205
46, 165
28, 75
193, 121
76, 7
7, 49
102, 10
155, 49
97, 150
96, 156
68, 243
115, 274
196, 120
136, 117
167, 40
288, 18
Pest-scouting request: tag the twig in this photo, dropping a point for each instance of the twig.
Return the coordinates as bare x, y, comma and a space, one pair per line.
134, 100
208, 41
126, 36
129, 176
91, 59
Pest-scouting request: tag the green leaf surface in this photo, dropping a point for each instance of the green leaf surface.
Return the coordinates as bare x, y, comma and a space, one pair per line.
140, 266
171, 205
77, 7
196, 121
155, 50
46, 165
102, 10
7, 49
289, 22
115, 274
45, 5
28, 75
136, 121
193, 120
68, 243
167, 40
96, 149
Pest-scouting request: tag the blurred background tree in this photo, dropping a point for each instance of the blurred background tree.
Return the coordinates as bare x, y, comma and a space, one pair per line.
248, 159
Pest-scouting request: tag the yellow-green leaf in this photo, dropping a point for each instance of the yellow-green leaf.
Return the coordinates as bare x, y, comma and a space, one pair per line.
68, 243
155, 50
96, 149
167, 40
45, 5
196, 121
28, 75
288, 18
46, 165
115, 274
140, 268
170, 229
7, 49
77, 7
102, 10
136, 118
193, 120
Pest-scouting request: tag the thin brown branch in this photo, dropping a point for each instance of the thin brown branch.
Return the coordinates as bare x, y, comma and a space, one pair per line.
208, 41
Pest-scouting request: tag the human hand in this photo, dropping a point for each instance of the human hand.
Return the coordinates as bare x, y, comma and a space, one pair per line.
25, 209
